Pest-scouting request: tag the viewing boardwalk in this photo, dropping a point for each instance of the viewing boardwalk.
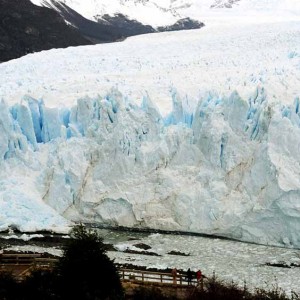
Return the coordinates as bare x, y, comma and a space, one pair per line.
159, 278
20, 265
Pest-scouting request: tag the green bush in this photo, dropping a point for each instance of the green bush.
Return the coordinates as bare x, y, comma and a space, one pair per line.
85, 271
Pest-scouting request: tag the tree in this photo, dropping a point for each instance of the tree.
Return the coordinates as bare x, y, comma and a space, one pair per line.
85, 271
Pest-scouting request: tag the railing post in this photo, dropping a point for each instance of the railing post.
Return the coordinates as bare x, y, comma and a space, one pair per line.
180, 279
161, 278
143, 277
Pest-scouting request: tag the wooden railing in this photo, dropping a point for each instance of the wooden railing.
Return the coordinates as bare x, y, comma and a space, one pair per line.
16, 261
25, 259
154, 277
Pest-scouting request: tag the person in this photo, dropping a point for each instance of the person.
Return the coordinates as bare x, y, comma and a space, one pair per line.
189, 276
199, 276
174, 274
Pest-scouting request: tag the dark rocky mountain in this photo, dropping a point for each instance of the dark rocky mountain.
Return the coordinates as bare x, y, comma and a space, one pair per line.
26, 28
182, 24
106, 29
113, 28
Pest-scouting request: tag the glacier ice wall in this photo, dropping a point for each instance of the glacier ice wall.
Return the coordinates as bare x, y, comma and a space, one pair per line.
229, 167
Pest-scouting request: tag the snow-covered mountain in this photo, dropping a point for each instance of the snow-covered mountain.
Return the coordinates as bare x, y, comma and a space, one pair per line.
30, 28
194, 131
166, 12
153, 12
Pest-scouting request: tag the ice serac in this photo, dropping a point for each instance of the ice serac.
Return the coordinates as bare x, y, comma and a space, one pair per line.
228, 167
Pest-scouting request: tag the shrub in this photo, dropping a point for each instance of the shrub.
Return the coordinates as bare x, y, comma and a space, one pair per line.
274, 294
216, 289
85, 271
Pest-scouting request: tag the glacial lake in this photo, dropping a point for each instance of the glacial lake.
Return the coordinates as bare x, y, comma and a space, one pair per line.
230, 260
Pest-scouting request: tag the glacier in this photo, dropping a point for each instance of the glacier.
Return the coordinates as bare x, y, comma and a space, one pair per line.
228, 166
192, 131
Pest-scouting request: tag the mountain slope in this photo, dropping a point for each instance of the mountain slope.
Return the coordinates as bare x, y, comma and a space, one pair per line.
146, 12
108, 29
26, 28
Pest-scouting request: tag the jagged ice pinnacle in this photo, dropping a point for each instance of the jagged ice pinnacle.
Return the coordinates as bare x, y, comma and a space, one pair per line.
230, 166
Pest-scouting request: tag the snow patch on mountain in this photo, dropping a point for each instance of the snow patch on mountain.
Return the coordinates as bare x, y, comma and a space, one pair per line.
146, 12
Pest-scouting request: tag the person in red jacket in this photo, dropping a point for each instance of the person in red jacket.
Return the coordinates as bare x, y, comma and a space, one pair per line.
199, 276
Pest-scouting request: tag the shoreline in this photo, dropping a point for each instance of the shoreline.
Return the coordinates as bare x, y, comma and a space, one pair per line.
49, 236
